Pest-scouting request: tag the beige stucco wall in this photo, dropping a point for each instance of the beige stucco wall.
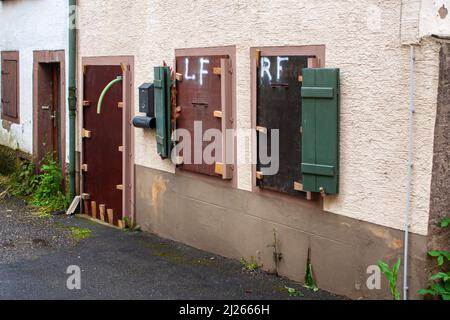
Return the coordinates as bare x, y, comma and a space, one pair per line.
362, 38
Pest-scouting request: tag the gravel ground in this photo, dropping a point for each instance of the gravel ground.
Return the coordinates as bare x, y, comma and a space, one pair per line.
35, 254
25, 235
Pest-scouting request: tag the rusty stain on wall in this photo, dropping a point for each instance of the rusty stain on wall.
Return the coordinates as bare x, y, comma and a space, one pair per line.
391, 242
158, 188
443, 12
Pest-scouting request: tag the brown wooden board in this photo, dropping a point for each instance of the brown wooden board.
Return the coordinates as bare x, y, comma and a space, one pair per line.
279, 107
198, 99
48, 111
101, 151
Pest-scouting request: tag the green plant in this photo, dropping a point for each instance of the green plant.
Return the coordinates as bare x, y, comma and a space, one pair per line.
251, 265
24, 181
130, 225
80, 233
445, 222
310, 283
48, 194
440, 255
440, 282
294, 292
392, 276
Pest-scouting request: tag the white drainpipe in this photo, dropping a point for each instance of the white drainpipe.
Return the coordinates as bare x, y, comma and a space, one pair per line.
410, 170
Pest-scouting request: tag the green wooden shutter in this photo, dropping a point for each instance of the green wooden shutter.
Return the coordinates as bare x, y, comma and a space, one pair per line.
320, 130
162, 84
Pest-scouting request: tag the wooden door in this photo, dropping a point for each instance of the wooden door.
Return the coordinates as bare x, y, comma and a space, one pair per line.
102, 151
48, 111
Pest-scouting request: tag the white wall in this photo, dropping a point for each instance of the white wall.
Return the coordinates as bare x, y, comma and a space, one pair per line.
362, 38
424, 18
26, 26
431, 21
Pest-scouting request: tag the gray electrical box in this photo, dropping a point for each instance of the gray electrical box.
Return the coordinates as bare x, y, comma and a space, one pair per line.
146, 99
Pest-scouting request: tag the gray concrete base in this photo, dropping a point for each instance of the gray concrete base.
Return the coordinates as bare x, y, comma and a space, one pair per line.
212, 216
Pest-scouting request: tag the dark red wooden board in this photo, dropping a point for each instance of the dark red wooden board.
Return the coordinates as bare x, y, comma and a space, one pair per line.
101, 151
279, 107
198, 103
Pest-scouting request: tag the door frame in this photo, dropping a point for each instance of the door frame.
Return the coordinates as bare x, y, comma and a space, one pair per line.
127, 65
47, 56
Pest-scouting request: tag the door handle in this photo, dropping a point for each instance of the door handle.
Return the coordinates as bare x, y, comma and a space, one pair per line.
200, 104
53, 117
45, 107
279, 85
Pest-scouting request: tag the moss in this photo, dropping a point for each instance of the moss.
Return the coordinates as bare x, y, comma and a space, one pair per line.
176, 256
5, 181
8, 160
80, 233
279, 288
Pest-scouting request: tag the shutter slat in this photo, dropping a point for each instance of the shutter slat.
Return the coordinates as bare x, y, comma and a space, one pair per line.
320, 130
308, 92
316, 169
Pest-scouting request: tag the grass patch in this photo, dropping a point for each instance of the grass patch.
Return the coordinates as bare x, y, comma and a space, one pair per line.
251, 265
292, 292
167, 253
80, 233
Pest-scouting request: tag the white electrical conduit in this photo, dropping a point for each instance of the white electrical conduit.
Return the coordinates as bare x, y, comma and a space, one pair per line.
410, 169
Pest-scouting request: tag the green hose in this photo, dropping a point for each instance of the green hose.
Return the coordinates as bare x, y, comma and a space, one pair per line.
102, 96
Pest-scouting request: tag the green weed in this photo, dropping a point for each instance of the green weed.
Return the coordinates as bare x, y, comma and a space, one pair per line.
392, 276
48, 194
310, 283
294, 292
439, 285
251, 265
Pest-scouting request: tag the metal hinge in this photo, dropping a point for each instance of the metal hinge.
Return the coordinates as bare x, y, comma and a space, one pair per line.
85, 133
259, 175
261, 129
298, 186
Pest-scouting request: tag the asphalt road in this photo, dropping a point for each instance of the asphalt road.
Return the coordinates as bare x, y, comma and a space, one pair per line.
35, 254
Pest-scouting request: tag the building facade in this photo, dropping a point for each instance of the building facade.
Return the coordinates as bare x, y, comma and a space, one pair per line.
33, 45
347, 102
240, 216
